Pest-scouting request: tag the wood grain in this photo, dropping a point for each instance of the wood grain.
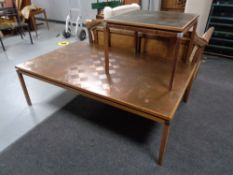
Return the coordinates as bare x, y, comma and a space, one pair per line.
136, 81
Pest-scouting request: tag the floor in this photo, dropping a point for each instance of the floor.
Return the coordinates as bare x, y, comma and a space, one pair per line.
15, 116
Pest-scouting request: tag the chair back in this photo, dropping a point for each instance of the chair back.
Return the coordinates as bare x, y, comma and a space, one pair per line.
199, 45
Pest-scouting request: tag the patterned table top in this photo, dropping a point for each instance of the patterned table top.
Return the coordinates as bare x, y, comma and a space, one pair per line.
137, 82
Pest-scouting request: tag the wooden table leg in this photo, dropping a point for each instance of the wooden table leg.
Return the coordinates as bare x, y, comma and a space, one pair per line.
25, 91
190, 48
106, 48
109, 38
197, 69
136, 42
46, 19
96, 36
3, 47
139, 42
164, 140
187, 91
175, 57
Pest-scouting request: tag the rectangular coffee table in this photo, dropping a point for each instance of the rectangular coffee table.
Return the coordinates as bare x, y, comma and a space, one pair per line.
135, 84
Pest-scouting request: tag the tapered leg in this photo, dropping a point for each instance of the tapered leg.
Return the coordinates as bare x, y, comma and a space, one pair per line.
34, 25
25, 91
190, 48
174, 66
96, 36
197, 69
46, 19
139, 43
109, 38
3, 47
164, 140
187, 92
29, 32
198, 64
90, 36
20, 32
136, 42
144, 45
106, 49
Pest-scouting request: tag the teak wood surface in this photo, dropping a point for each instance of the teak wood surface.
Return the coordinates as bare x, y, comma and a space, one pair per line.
172, 25
162, 20
137, 84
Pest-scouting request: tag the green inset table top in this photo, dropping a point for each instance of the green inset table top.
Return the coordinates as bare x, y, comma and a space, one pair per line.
165, 20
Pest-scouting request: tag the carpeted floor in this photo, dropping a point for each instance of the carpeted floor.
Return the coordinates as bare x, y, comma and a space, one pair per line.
87, 137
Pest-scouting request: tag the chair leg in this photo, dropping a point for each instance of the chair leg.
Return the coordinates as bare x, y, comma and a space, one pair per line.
18, 30
136, 42
96, 37
3, 47
197, 70
29, 32
21, 31
46, 19
90, 36
34, 25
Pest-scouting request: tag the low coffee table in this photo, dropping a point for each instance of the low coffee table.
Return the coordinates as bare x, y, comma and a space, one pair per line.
135, 83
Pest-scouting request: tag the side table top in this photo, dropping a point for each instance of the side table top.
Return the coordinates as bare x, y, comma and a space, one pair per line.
163, 20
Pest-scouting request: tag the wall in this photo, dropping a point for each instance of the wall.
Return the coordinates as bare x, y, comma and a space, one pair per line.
58, 9
154, 4
201, 7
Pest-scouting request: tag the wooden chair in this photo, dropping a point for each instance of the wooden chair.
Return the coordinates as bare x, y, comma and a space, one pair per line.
196, 56
16, 24
33, 15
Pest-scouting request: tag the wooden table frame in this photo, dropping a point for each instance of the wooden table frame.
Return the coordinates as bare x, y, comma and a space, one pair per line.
110, 101
168, 33
182, 89
164, 122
